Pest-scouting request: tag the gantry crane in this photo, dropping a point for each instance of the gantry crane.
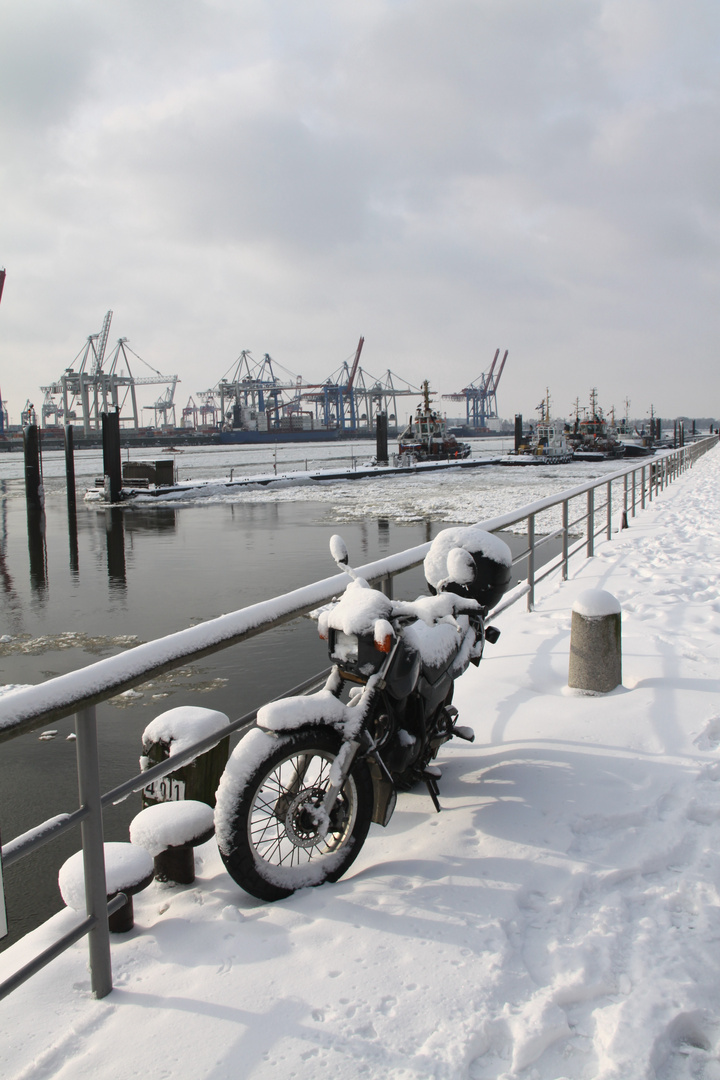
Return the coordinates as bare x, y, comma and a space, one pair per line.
254, 396
95, 387
480, 397
189, 415
164, 407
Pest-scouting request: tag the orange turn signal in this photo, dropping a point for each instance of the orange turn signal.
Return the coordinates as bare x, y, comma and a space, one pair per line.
385, 644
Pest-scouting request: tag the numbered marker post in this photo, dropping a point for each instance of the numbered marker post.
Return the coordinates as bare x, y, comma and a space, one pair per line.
172, 732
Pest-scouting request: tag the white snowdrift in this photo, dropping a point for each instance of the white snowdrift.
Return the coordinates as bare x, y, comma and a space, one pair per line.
559, 919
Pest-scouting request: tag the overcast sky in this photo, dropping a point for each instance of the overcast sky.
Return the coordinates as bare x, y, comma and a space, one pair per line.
445, 177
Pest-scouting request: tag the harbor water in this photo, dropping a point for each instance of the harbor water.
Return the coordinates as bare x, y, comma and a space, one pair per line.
79, 585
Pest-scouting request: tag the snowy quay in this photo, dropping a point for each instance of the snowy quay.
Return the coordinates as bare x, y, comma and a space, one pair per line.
559, 919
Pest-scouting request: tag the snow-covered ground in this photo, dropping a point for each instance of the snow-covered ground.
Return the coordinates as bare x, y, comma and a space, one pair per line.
559, 919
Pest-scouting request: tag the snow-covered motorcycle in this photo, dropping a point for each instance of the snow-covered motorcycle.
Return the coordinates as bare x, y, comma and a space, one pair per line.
302, 787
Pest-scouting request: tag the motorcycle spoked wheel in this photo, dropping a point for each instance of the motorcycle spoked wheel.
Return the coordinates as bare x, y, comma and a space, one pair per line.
267, 834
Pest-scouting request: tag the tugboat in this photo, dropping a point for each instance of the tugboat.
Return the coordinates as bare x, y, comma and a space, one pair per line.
637, 443
548, 444
426, 437
593, 439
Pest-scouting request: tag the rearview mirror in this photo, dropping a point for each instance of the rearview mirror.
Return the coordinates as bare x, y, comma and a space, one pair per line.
339, 551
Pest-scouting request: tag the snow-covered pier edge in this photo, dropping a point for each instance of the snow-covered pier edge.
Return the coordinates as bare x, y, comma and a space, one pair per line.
558, 919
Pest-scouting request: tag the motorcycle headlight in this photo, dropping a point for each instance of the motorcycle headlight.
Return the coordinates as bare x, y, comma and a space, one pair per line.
344, 648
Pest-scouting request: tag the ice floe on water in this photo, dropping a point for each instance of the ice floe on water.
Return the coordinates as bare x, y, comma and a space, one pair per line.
95, 644
464, 496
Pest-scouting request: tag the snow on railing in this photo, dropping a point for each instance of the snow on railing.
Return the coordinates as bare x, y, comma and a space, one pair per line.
80, 691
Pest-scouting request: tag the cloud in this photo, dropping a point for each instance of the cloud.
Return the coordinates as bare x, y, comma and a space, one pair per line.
446, 178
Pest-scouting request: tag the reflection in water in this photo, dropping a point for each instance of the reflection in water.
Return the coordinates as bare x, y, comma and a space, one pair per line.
73, 537
119, 524
383, 533
37, 550
12, 603
162, 519
364, 540
115, 538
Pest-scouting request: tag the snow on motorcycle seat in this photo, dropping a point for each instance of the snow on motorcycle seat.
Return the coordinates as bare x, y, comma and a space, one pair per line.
490, 555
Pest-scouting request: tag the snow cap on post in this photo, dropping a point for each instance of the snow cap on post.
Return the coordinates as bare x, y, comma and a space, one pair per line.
596, 603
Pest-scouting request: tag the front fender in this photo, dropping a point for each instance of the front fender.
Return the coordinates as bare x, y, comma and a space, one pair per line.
322, 709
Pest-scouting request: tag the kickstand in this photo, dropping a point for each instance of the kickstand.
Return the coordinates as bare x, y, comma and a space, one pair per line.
434, 791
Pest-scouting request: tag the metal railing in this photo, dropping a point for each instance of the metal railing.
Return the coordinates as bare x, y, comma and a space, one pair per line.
81, 691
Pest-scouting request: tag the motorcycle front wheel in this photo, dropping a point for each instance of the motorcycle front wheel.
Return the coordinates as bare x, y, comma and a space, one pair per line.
268, 830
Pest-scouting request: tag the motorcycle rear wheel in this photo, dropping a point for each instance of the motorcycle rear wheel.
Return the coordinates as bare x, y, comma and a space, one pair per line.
266, 829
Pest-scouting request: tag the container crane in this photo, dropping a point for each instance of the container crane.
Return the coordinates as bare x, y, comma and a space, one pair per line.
338, 398
480, 396
94, 386
189, 415
254, 397
164, 407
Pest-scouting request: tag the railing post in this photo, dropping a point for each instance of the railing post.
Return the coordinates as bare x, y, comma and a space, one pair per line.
565, 539
609, 510
652, 478
531, 561
88, 764
642, 498
590, 523
634, 474
386, 586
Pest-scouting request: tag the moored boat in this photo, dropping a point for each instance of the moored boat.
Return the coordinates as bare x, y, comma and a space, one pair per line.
593, 438
426, 437
547, 444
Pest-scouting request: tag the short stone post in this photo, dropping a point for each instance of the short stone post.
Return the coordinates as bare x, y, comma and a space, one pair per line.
169, 831
128, 870
172, 732
595, 643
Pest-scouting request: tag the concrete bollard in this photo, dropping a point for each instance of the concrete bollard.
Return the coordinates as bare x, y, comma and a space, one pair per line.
172, 732
595, 643
169, 831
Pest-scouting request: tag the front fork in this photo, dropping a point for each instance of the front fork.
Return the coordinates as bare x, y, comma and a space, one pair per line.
385, 795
